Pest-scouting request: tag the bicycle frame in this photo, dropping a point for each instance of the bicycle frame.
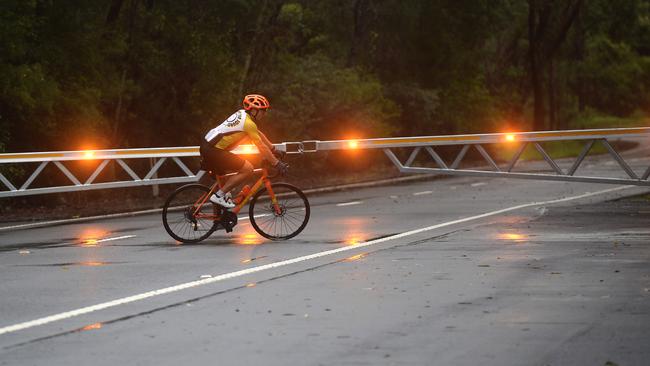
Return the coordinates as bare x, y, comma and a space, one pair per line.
263, 180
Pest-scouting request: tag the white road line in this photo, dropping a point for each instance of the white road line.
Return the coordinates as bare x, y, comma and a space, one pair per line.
225, 276
240, 218
349, 203
422, 193
478, 184
116, 238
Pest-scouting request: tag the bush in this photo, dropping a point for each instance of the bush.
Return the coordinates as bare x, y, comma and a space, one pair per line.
313, 98
611, 73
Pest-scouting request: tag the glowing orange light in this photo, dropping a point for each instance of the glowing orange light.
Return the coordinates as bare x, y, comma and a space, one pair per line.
510, 137
90, 242
353, 229
89, 154
91, 237
92, 326
353, 240
249, 237
353, 144
355, 257
92, 264
248, 149
518, 238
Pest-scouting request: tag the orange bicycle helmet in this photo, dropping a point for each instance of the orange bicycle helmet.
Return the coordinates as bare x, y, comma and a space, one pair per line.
256, 101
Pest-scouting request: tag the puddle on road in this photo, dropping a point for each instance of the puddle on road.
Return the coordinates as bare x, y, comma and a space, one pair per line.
67, 264
354, 229
356, 257
37, 245
248, 236
87, 237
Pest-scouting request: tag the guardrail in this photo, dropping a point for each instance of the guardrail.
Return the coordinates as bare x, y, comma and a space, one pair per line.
159, 156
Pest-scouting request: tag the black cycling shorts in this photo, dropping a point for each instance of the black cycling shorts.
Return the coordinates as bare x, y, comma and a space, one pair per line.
220, 161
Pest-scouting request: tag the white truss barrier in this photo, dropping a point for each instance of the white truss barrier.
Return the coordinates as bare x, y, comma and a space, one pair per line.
158, 156
122, 157
522, 139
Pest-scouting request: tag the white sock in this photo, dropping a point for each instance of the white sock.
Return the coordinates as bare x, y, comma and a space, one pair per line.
220, 193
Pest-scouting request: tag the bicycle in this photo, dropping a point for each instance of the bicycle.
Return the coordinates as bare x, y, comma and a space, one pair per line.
277, 211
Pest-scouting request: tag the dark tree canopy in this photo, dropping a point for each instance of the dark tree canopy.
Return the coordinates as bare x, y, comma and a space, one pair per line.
143, 73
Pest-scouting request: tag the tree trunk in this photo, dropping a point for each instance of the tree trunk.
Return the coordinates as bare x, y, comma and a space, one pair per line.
118, 111
552, 96
114, 11
251, 49
548, 25
360, 18
535, 65
539, 113
580, 56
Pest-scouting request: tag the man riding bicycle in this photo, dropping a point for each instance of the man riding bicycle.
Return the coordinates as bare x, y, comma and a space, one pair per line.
238, 128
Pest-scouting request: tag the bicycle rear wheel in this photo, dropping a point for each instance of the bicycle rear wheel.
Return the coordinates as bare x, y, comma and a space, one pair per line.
293, 216
180, 218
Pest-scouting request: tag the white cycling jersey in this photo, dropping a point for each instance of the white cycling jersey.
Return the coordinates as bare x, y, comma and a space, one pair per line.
233, 131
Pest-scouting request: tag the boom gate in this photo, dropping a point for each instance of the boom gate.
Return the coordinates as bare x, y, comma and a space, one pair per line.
158, 156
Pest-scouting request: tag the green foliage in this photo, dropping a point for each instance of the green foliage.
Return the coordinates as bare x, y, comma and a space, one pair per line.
593, 119
467, 106
617, 77
154, 73
317, 99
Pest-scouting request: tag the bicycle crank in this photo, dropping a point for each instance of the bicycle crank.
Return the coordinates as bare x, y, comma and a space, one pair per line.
228, 220
190, 217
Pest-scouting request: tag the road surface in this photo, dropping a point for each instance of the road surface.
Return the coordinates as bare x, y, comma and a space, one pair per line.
454, 271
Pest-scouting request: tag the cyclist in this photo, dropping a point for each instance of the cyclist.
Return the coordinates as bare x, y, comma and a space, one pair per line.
238, 128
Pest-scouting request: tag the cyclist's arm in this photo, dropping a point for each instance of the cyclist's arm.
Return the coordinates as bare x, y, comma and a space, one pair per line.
260, 141
266, 152
265, 140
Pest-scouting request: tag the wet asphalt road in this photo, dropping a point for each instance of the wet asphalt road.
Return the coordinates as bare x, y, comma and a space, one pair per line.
551, 284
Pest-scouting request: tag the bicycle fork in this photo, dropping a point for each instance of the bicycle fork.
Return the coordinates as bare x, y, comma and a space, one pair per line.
274, 200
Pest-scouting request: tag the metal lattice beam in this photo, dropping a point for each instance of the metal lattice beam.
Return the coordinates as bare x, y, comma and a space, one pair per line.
581, 157
124, 157
496, 171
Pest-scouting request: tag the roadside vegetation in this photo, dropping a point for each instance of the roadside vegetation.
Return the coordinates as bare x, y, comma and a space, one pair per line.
140, 73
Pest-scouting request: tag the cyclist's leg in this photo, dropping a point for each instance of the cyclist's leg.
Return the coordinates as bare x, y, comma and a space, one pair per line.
222, 162
244, 173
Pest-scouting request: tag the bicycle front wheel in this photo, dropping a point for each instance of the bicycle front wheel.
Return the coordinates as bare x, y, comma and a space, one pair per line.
181, 218
291, 218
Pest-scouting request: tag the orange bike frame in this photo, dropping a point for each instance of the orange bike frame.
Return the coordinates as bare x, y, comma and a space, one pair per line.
264, 180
